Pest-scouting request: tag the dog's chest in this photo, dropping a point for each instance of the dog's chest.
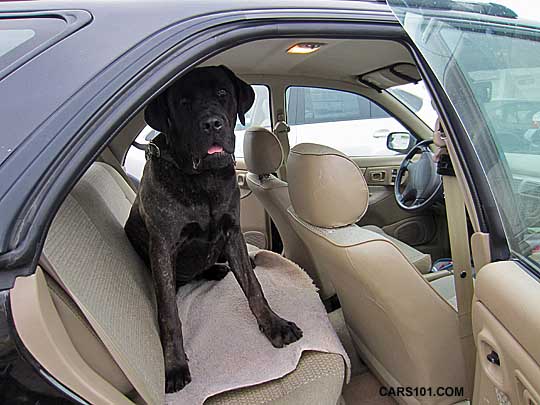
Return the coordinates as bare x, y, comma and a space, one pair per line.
210, 202
207, 210
175, 202
203, 242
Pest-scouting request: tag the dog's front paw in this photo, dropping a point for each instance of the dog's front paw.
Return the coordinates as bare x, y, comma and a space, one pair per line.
281, 332
177, 377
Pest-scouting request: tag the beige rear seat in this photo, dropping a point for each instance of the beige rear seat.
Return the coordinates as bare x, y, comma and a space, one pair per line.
114, 325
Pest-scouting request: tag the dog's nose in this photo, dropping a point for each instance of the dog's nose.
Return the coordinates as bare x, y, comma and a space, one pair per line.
212, 124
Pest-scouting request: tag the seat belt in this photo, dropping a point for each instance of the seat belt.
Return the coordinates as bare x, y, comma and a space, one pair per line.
281, 130
461, 257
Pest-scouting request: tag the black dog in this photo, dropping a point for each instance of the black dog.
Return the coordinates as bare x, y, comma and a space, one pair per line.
185, 221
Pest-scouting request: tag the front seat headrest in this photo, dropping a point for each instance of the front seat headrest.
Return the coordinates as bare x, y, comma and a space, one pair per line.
327, 189
262, 151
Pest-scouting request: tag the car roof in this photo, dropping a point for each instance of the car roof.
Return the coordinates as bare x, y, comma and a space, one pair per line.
38, 136
48, 79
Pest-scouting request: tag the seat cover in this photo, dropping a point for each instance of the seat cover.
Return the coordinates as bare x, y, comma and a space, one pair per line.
207, 308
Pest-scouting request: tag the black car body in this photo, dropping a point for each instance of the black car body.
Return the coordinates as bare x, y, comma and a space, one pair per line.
92, 66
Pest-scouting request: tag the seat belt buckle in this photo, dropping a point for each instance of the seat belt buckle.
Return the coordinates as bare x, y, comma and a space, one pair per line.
444, 164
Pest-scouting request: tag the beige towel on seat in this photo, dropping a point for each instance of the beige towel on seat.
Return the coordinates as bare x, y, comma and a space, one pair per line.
225, 348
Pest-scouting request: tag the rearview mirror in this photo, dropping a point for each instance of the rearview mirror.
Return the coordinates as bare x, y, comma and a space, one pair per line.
401, 142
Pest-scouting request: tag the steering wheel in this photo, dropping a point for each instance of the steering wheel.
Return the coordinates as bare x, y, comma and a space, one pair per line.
424, 184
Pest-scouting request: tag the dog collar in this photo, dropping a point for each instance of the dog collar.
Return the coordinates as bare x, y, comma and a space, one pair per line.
152, 151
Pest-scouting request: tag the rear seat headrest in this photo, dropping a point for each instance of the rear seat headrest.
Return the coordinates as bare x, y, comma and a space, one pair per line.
263, 153
327, 189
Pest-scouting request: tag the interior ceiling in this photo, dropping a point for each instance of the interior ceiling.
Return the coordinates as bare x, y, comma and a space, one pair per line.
339, 59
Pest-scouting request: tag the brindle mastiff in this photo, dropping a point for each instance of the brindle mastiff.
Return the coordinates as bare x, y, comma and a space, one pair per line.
185, 221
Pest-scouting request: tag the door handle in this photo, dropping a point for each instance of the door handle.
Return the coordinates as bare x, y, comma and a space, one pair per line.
381, 133
493, 358
241, 180
378, 176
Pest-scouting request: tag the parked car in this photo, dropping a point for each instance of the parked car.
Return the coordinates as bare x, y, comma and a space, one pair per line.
432, 294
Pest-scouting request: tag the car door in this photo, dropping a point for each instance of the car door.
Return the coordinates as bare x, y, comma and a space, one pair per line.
254, 222
358, 127
486, 58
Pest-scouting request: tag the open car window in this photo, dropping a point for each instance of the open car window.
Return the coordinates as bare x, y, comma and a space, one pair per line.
486, 58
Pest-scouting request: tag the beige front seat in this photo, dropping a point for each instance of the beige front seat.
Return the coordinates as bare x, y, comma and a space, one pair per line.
405, 330
263, 155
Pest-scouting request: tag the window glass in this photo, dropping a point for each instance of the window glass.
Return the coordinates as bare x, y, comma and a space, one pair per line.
342, 120
258, 115
10, 39
20, 36
491, 73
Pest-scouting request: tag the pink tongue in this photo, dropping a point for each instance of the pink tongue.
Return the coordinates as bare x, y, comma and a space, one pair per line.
215, 149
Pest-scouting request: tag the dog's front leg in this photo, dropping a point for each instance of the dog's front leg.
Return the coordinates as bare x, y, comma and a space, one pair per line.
278, 330
176, 363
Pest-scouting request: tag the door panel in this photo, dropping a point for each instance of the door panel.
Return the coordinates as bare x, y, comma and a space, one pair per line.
253, 218
426, 230
506, 327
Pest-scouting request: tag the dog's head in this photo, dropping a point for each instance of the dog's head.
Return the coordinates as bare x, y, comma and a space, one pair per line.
198, 115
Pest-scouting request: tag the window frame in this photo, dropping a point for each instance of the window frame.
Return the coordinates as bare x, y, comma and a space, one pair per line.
91, 129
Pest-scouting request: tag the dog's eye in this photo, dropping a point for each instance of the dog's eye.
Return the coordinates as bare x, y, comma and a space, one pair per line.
222, 93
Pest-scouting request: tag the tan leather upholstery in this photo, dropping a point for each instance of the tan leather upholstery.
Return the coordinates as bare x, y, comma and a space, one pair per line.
319, 173
263, 156
405, 330
421, 261
262, 151
320, 198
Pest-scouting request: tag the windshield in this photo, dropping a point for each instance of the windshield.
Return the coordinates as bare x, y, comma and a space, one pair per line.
487, 58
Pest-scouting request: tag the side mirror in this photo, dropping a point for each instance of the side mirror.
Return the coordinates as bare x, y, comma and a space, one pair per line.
400, 142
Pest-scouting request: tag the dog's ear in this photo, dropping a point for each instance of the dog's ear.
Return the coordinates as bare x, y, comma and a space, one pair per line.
156, 113
245, 96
